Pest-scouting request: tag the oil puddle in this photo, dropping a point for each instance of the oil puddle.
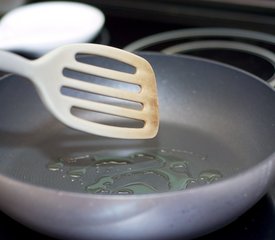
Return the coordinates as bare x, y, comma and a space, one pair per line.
135, 172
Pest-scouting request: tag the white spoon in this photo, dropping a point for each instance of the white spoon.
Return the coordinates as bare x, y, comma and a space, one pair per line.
40, 27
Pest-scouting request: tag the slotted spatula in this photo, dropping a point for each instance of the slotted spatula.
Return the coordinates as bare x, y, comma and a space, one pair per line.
47, 74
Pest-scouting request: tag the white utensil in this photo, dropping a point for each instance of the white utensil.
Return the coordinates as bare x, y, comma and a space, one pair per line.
47, 74
41, 27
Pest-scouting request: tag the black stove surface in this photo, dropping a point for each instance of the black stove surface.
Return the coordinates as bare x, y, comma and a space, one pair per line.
259, 221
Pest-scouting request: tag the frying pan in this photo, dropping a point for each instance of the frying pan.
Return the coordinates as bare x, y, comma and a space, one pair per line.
217, 136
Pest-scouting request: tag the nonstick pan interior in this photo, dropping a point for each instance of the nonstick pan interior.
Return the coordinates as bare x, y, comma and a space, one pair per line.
216, 123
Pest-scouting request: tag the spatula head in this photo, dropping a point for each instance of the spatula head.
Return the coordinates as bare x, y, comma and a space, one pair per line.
70, 81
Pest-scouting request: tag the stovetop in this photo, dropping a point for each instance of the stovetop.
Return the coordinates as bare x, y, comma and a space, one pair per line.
132, 33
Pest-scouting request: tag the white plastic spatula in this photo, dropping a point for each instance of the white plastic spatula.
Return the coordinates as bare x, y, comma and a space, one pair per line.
40, 27
47, 74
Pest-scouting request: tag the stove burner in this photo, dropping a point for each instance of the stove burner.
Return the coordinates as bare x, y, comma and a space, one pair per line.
248, 50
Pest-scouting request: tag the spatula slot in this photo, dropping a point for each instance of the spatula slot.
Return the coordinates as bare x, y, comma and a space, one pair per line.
106, 62
133, 87
106, 119
101, 98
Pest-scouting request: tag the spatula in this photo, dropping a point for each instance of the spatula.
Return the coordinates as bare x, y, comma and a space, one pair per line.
47, 74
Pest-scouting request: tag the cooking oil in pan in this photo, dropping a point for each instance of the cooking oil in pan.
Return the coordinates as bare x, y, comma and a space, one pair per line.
135, 172
56, 166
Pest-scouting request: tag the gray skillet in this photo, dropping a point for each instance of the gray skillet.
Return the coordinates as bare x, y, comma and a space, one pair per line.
212, 159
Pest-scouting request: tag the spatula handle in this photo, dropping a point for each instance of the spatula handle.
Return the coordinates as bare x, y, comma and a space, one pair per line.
13, 63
